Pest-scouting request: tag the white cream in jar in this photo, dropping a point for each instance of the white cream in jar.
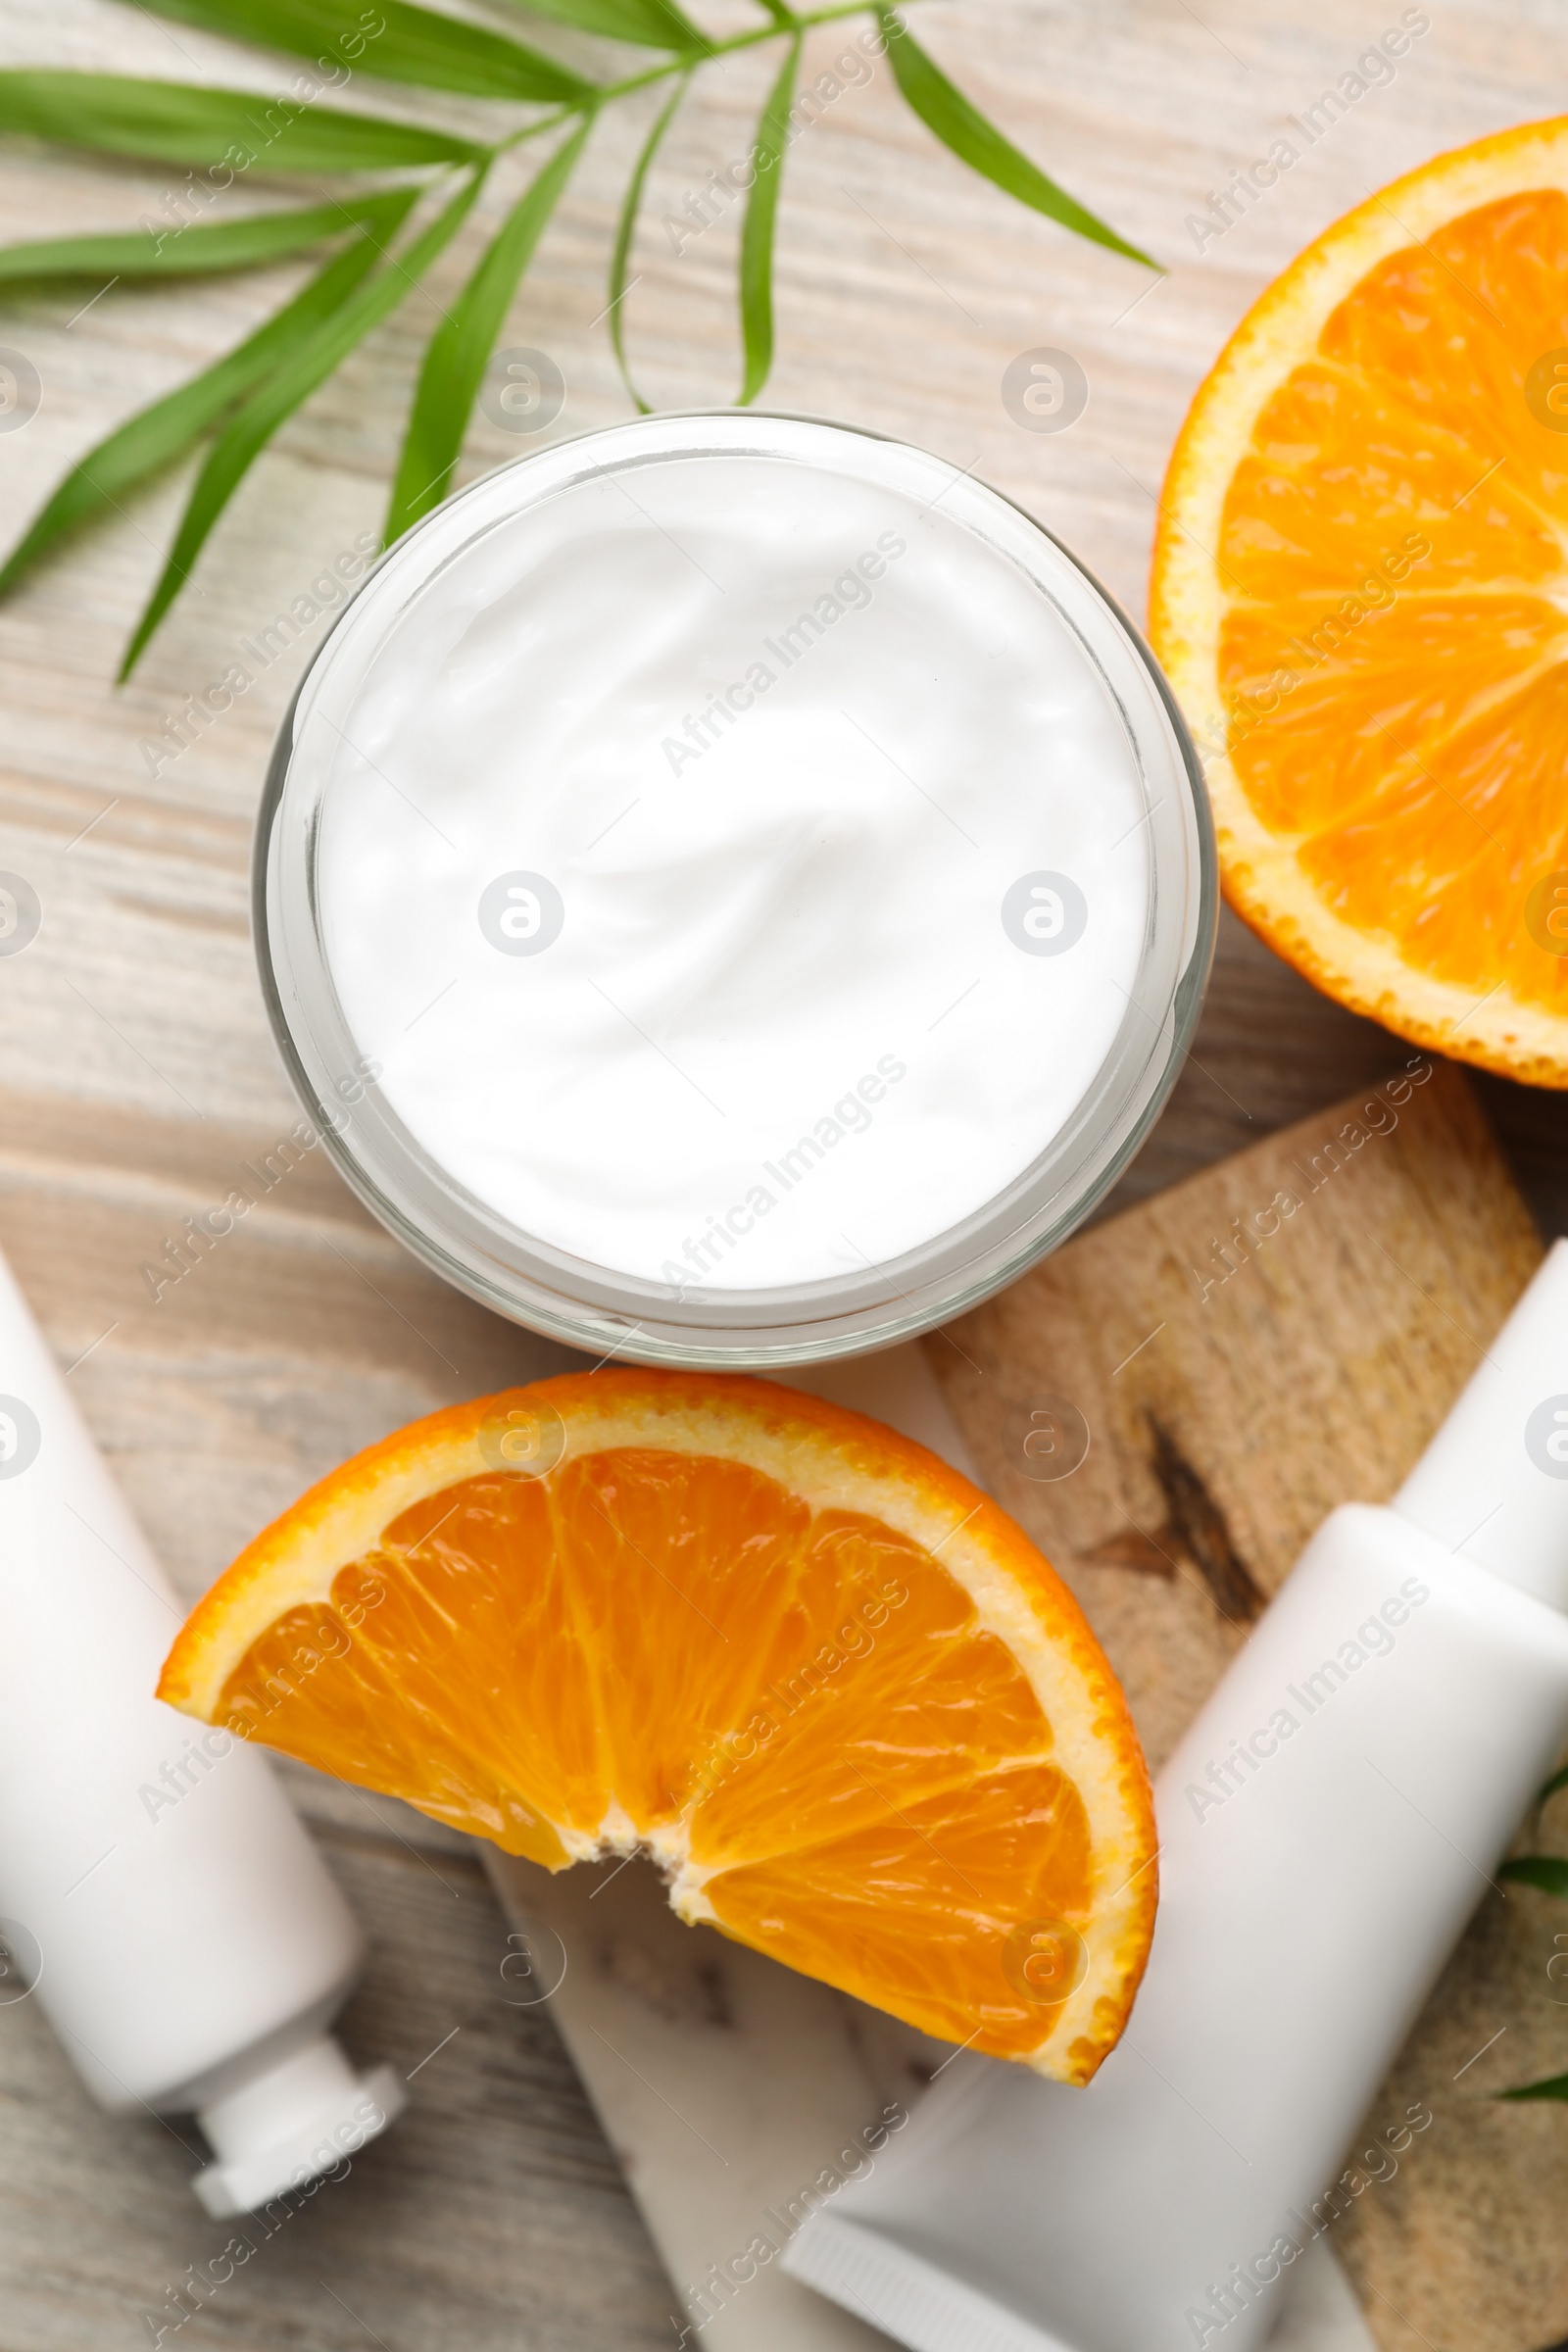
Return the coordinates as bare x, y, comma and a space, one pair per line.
734, 850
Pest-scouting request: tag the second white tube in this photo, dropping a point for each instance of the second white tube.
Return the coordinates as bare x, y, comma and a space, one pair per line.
1327, 1827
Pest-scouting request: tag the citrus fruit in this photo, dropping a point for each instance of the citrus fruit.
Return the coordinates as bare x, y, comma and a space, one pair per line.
1360, 593
822, 1679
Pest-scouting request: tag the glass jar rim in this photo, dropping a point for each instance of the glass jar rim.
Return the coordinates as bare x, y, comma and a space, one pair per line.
612, 1314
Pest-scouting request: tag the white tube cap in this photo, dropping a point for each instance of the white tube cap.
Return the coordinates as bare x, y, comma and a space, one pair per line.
298, 2119
1493, 1484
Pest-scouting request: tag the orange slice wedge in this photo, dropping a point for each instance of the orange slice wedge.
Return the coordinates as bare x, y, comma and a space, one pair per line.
1360, 593
822, 1679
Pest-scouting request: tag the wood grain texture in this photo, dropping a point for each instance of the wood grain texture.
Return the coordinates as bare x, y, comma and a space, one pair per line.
135, 1066
1246, 1350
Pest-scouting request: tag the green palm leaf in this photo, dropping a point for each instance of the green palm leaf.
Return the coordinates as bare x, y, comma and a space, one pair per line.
217, 134
625, 229
1548, 1872
1556, 2086
301, 369
757, 237
391, 40
189, 252
179, 123
461, 347
649, 23
962, 127
160, 435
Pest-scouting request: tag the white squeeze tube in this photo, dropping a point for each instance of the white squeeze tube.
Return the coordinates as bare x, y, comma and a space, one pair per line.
1327, 1827
159, 1900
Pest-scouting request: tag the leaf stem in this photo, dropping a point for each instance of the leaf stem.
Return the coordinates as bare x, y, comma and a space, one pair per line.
785, 25
531, 130
781, 28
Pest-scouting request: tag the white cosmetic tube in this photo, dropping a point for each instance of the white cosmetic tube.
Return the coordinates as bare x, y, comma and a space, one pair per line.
1327, 1827
159, 1900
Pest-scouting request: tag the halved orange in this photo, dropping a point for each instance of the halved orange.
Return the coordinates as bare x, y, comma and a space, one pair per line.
828, 1685
1360, 593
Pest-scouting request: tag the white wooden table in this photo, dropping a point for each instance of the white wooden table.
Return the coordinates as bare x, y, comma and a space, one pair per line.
135, 1064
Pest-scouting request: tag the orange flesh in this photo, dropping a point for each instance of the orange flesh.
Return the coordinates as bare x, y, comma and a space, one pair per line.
1420, 761
650, 1641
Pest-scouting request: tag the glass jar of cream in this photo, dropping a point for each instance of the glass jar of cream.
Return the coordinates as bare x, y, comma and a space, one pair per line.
732, 890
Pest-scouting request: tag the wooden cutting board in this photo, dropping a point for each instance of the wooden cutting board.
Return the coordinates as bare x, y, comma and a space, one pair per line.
1213, 1371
